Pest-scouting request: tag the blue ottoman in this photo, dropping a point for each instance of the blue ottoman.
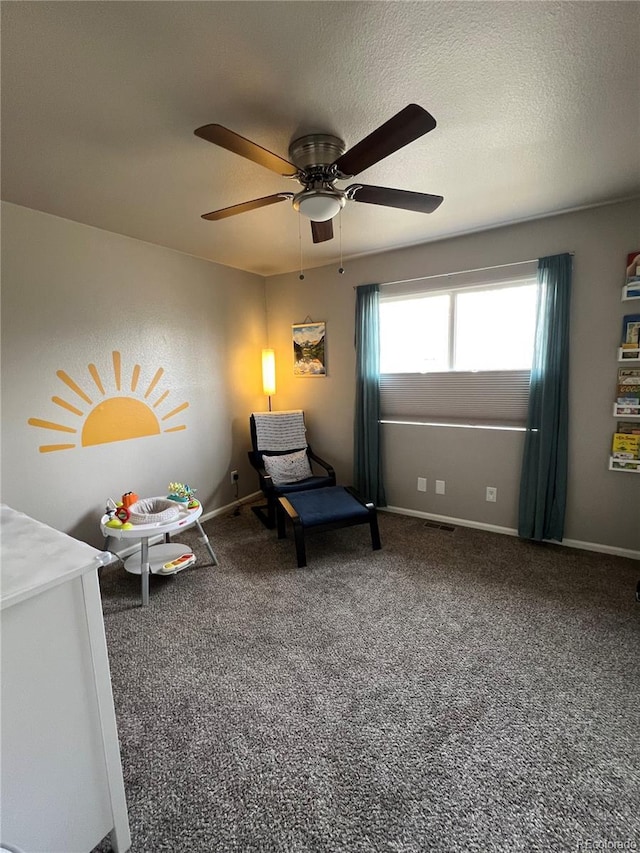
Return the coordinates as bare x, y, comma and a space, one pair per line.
325, 509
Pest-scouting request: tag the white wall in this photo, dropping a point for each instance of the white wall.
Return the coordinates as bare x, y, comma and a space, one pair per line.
71, 296
603, 507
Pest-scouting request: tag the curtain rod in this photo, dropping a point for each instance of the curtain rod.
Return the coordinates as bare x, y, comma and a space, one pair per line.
458, 272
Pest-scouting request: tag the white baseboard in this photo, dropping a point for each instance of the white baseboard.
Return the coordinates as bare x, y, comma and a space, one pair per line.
511, 531
445, 519
223, 509
602, 549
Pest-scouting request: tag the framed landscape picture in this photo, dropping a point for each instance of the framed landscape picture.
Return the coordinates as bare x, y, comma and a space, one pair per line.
309, 349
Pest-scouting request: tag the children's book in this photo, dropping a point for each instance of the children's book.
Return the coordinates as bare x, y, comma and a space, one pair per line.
626, 446
631, 329
628, 387
633, 268
628, 381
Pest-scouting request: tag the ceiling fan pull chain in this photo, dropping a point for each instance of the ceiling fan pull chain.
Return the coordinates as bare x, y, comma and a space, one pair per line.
340, 268
301, 276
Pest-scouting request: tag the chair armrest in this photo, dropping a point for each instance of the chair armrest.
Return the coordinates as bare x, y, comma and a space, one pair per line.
322, 463
265, 479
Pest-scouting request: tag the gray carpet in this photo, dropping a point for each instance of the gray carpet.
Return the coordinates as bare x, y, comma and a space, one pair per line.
456, 691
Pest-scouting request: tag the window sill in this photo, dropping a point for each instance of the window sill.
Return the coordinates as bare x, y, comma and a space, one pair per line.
418, 422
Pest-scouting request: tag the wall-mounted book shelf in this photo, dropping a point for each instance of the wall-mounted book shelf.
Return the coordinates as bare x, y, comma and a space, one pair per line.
621, 410
629, 465
631, 291
629, 354
625, 447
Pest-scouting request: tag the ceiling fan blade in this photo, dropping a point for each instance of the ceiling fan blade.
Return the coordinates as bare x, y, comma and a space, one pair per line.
225, 138
246, 206
409, 124
322, 231
405, 200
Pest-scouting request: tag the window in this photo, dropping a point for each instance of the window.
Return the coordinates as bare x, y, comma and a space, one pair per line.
460, 353
470, 329
494, 328
414, 334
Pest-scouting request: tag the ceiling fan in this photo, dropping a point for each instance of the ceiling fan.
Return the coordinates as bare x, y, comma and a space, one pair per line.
318, 160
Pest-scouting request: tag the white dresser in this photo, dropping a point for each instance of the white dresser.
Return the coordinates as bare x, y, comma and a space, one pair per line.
61, 785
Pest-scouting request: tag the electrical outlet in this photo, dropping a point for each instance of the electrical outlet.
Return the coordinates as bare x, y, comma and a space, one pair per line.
492, 494
422, 484
234, 477
439, 487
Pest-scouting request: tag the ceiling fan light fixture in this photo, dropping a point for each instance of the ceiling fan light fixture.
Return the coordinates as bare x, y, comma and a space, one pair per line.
319, 205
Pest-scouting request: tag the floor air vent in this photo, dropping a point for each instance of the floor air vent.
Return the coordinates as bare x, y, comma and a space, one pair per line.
434, 524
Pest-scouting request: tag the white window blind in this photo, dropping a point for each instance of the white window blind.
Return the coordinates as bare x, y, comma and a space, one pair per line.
494, 397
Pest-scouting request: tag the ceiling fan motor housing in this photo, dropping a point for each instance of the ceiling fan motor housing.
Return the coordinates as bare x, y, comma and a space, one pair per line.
315, 149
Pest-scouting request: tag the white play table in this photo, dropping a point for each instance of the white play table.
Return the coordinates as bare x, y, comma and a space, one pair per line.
152, 558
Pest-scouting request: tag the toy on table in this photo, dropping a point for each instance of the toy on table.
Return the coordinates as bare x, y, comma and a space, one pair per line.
178, 564
116, 521
131, 510
118, 513
182, 493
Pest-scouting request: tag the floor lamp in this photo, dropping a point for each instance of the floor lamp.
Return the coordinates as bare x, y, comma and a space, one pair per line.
268, 373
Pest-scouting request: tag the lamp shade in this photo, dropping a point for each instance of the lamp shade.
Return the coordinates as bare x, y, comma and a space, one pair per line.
268, 372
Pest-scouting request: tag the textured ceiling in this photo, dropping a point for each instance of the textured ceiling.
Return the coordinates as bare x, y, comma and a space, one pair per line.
537, 104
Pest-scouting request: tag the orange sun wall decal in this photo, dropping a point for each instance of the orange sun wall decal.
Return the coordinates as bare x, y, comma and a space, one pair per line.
110, 418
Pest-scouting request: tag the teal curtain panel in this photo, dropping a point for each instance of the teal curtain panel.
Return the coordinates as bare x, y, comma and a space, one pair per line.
543, 484
367, 457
